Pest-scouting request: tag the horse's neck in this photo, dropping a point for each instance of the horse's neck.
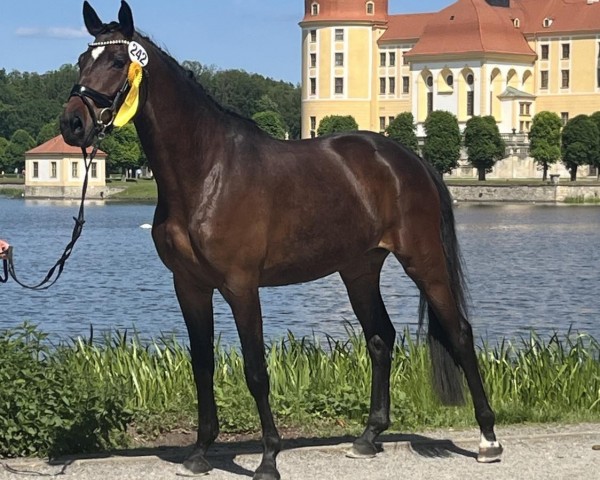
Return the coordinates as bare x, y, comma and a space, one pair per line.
181, 130
176, 124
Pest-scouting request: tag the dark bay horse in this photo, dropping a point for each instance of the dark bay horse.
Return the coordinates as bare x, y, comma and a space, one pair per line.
238, 210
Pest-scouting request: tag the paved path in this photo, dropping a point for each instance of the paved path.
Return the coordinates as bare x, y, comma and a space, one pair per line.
570, 452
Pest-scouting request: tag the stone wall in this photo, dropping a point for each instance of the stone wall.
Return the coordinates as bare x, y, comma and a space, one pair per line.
523, 193
64, 192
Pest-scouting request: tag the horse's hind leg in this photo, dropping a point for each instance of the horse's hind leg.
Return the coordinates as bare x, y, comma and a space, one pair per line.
426, 265
362, 282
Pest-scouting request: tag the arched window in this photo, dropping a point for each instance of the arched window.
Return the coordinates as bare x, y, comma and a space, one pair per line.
547, 22
429, 81
370, 8
314, 9
450, 80
516, 23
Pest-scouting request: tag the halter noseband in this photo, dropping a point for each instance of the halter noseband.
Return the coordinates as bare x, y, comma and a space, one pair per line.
109, 105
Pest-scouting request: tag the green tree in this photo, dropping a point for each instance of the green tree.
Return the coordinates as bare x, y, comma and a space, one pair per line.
544, 140
123, 149
48, 132
484, 144
3, 160
579, 143
271, 122
442, 141
595, 117
402, 129
20, 142
336, 123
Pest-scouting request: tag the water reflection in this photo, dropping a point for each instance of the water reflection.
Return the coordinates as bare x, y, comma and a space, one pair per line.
529, 266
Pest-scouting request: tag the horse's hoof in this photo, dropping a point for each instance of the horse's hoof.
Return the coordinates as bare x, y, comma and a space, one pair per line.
194, 466
490, 454
362, 450
266, 474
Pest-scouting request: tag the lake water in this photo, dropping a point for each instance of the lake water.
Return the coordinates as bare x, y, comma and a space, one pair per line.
530, 267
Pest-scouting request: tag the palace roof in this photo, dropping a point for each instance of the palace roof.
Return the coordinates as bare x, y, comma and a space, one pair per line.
57, 146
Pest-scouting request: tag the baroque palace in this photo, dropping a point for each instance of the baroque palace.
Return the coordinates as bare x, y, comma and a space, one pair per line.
506, 58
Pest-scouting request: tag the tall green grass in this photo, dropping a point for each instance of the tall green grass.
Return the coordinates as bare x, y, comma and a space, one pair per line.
93, 390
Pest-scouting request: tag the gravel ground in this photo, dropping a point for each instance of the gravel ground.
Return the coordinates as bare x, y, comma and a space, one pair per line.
531, 452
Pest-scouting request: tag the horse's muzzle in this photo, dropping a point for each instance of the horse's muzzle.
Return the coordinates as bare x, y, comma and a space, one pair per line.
76, 125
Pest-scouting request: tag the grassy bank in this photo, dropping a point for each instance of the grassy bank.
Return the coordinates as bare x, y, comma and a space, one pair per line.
87, 395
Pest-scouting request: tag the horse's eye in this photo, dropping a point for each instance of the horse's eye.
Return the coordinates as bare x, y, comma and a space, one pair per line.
118, 63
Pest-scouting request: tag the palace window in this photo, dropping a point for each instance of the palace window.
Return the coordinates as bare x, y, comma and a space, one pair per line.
544, 52
36, 169
392, 59
339, 34
339, 85
94, 172
392, 85
381, 85
339, 59
564, 82
544, 79
314, 9
313, 127
405, 84
566, 51
470, 79
524, 108
450, 80
470, 103
370, 8
313, 60
564, 118
598, 68
313, 36
53, 168
381, 124
429, 81
382, 59
313, 86
74, 173
429, 102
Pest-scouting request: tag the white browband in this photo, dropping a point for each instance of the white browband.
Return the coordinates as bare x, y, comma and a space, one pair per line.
110, 42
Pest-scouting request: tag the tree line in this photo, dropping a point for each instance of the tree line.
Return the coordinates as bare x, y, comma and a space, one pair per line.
31, 103
576, 144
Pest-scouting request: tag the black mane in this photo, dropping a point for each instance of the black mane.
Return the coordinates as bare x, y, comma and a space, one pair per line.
190, 79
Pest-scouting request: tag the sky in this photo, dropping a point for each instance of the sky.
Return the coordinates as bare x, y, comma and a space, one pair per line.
259, 36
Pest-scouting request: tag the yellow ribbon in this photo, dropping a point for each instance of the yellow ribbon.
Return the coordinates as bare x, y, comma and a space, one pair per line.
130, 105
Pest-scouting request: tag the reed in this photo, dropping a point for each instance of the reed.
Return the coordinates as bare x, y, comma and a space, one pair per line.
315, 384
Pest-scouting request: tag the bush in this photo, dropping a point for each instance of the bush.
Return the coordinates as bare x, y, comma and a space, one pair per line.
49, 409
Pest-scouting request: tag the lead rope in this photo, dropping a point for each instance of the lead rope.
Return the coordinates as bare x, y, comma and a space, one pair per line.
48, 281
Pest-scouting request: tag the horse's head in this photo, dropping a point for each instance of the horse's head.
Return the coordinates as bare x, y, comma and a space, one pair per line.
103, 78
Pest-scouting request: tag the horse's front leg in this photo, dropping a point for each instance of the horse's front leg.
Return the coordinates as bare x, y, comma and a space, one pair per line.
245, 305
197, 309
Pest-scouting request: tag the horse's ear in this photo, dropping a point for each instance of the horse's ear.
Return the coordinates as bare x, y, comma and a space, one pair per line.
126, 20
91, 19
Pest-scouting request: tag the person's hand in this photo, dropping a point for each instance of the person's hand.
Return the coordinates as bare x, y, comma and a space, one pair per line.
4, 246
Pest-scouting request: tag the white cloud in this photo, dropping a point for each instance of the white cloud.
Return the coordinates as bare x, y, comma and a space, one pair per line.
52, 32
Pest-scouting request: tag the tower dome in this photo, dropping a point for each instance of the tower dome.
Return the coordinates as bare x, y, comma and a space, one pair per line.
345, 10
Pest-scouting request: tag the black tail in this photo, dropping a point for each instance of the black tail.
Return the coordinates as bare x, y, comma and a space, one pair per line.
447, 377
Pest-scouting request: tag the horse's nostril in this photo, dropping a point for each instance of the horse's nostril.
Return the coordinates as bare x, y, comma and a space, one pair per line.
76, 124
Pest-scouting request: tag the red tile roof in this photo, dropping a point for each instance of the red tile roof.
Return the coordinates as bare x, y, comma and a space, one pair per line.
345, 10
406, 27
474, 26
58, 146
566, 16
471, 26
